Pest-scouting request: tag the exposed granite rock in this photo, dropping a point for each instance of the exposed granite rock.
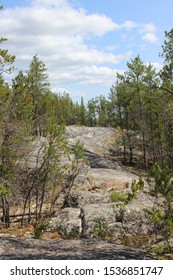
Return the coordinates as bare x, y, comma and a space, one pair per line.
95, 139
91, 207
67, 222
83, 249
96, 185
96, 144
91, 214
34, 157
96, 148
101, 220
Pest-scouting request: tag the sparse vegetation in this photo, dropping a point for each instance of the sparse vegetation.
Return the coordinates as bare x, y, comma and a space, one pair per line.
100, 229
39, 228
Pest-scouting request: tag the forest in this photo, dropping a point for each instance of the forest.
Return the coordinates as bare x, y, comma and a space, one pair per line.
139, 106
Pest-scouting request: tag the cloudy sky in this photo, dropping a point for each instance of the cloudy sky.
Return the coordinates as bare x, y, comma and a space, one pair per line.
84, 42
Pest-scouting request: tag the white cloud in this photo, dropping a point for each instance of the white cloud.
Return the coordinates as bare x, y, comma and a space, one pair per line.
72, 93
148, 27
45, 19
148, 31
49, 3
59, 34
156, 65
112, 48
128, 24
96, 75
150, 37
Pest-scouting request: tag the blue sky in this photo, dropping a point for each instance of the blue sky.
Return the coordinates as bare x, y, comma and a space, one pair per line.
85, 42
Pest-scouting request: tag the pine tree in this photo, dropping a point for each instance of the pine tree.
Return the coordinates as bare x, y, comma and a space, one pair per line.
82, 112
92, 112
37, 85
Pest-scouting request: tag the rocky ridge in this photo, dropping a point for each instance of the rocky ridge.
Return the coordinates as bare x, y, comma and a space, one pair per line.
90, 212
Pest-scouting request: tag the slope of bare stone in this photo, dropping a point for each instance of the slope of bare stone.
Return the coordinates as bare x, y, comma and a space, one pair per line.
83, 249
96, 141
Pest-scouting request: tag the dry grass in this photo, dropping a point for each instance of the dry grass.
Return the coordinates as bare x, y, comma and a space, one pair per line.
28, 232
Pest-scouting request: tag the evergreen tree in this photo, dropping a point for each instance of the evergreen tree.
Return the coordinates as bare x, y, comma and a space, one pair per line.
6, 60
37, 85
92, 112
167, 54
7, 158
102, 111
167, 87
82, 112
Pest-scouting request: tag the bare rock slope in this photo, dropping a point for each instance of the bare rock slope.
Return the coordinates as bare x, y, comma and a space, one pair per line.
90, 211
83, 249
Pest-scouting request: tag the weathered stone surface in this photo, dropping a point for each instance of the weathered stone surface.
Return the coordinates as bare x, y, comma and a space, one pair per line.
110, 177
91, 197
83, 249
35, 154
134, 221
96, 185
101, 219
95, 139
67, 221
81, 198
96, 148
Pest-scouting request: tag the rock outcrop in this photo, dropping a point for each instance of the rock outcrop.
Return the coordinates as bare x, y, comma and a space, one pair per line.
91, 213
96, 142
83, 249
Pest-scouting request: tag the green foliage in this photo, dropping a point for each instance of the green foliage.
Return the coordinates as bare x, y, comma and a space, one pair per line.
142, 106
77, 167
6, 60
78, 150
82, 113
79, 158
162, 250
117, 197
161, 188
167, 54
92, 112
100, 229
124, 199
75, 233
98, 112
39, 227
4, 190
160, 183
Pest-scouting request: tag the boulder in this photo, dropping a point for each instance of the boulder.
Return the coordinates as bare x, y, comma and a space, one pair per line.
101, 220
134, 221
67, 222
